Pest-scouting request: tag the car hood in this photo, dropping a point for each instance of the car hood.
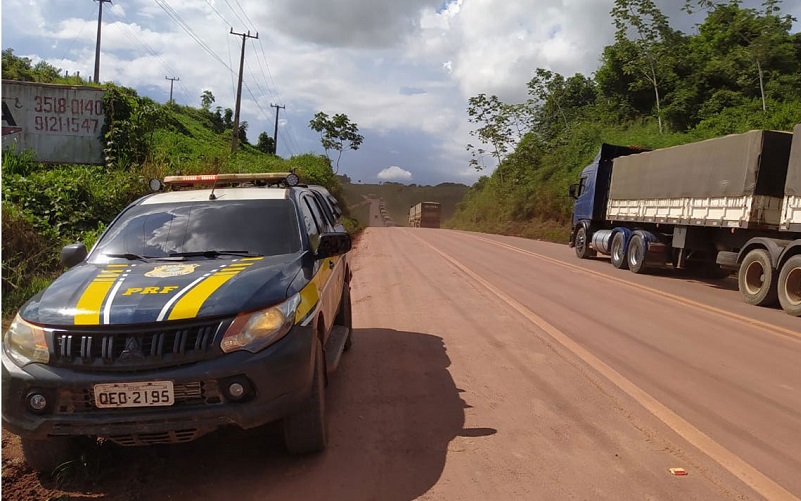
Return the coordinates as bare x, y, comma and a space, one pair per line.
144, 292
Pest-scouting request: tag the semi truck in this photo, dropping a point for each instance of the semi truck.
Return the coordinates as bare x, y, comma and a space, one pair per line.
425, 215
729, 204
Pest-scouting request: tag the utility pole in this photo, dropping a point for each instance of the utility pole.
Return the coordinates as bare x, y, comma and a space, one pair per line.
97, 47
275, 133
235, 138
172, 81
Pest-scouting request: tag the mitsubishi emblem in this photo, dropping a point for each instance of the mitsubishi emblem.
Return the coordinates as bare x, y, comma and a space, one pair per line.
131, 350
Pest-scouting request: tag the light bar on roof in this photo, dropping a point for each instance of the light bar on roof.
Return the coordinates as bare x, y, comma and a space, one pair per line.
267, 177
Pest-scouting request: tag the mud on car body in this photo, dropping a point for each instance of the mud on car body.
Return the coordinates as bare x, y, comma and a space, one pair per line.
196, 309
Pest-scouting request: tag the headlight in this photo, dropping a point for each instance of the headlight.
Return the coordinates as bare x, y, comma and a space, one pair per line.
25, 343
255, 331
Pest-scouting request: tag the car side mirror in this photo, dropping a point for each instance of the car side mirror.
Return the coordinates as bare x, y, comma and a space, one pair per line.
333, 244
573, 190
73, 254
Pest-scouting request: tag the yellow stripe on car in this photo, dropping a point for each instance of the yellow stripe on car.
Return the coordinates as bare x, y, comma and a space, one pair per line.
309, 296
191, 302
92, 299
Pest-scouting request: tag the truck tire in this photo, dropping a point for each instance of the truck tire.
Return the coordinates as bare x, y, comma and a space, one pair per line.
48, 454
636, 255
306, 431
757, 279
789, 286
617, 251
344, 317
582, 244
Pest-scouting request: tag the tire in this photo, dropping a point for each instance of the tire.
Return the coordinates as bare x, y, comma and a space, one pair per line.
306, 431
635, 256
757, 279
48, 454
789, 286
344, 317
582, 244
619, 260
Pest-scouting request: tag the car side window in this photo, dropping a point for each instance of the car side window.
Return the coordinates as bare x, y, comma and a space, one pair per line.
317, 213
309, 223
582, 186
326, 210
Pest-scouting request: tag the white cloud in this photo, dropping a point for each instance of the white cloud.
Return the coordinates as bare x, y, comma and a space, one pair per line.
402, 70
394, 173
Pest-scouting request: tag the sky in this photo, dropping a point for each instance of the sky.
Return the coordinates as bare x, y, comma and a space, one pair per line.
402, 70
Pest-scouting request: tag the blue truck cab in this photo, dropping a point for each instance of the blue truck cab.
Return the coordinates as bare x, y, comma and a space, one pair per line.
591, 193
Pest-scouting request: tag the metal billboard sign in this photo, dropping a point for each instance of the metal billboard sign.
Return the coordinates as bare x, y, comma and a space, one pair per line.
61, 123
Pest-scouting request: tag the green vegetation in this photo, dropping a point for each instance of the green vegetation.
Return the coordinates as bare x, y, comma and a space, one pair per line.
656, 87
45, 207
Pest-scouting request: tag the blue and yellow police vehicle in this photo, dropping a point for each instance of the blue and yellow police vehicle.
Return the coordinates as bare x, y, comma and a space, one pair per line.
220, 300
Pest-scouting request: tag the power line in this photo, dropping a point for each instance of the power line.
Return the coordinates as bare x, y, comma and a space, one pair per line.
75, 38
132, 35
184, 26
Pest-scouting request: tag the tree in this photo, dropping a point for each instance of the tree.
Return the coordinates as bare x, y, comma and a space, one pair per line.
732, 39
20, 69
501, 126
337, 133
652, 41
555, 99
206, 99
265, 143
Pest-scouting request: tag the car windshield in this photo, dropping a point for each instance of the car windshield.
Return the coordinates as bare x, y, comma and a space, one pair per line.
202, 229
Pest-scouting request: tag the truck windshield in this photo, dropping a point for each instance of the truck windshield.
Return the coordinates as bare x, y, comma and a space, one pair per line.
256, 227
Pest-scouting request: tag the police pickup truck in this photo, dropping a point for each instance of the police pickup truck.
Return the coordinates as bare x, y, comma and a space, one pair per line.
223, 301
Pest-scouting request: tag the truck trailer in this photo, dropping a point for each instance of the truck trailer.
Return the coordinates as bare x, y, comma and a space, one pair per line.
425, 215
729, 204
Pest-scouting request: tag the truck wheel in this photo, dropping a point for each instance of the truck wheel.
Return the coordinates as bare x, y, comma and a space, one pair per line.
619, 260
307, 430
582, 245
48, 454
344, 317
636, 254
757, 279
789, 288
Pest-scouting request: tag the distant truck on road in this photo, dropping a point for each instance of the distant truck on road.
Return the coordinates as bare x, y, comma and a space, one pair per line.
716, 206
425, 215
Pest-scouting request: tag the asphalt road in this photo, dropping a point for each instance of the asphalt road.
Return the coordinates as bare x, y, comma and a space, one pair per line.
488, 367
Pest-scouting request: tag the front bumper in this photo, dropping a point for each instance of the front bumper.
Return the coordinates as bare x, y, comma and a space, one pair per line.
277, 380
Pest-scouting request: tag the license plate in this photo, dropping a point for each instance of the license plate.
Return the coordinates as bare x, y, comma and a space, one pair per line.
139, 394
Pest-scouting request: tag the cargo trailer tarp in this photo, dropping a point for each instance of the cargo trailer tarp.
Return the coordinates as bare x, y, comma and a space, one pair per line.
793, 187
754, 163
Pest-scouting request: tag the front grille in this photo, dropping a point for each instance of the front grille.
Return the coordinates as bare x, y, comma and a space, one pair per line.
136, 349
195, 393
164, 437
